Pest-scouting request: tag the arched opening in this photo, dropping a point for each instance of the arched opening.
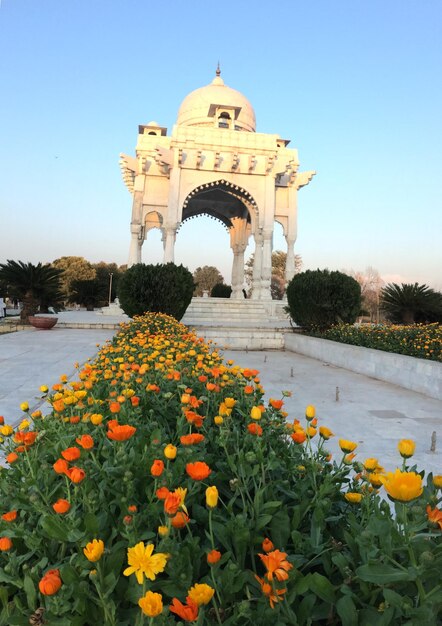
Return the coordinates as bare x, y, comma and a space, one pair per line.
224, 120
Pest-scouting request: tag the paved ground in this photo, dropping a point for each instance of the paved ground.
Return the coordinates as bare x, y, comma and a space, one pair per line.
368, 411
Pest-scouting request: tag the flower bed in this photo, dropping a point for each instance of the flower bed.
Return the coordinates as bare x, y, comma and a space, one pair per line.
162, 489
420, 340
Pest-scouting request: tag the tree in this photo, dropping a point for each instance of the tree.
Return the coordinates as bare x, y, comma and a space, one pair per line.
74, 268
205, 278
371, 285
409, 303
278, 284
320, 298
37, 286
102, 273
88, 293
158, 288
220, 290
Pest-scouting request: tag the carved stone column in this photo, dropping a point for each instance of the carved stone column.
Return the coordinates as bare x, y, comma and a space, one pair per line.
290, 260
257, 267
238, 271
169, 244
266, 272
136, 242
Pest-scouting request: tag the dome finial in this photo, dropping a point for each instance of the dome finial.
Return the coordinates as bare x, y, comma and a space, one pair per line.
218, 70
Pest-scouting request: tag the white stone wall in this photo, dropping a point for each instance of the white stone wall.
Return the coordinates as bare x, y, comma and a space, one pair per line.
405, 371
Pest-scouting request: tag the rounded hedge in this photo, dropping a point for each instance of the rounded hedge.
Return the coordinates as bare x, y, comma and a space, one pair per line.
220, 290
320, 298
166, 288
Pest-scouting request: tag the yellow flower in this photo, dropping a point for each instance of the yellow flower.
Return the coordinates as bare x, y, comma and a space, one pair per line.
375, 479
96, 419
353, 497
255, 413
163, 531
143, 563
44, 389
24, 406
94, 550
201, 593
151, 604
402, 486
218, 420
325, 432
347, 446
6, 430
311, 432
406, 448
229, 402
310, 412
170, 451
370, 464
437, 481
36, 415
24, 424
211, 497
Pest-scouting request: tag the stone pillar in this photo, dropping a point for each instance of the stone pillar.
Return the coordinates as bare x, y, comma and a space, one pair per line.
136, 242
266, 272
169, 244
257, 267
290, 260
238, 272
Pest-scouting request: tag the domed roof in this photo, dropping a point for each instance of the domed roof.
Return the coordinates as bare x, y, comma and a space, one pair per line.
199, 107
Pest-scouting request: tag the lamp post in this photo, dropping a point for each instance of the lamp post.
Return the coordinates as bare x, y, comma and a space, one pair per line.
110, 287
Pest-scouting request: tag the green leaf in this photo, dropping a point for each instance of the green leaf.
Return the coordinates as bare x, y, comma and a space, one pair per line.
68, 574
54, 528
305, 610
4, 595
322, 587
91, 524
280, 529
382, 574
31, 594
347, 611
262, 521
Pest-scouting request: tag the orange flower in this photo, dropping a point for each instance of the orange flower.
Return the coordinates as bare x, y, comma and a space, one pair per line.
121, 433
50, 583
198, 470
112, 424
5, 544
162, 493
189, 440
26, 438
10, 517
299, 436
276, 564
61, 506
61, 466
172, 503
254, 429
11, 458
157, 468
188, 612
276, 404
135, 400
434, 516
85, 441
58, 406
114, 407
194, 418
132, 508
74, 419
71, 454
267, 545
76, 474
180, 519
213, 557
248, 389
274, 595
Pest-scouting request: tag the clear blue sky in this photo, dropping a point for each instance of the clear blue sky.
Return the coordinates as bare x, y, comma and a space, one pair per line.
356, 86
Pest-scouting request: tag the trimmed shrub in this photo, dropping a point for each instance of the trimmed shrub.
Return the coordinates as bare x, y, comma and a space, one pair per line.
320, 298
220, 290
157, 288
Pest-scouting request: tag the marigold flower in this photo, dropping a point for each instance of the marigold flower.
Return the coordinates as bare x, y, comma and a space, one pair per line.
213, 557
85, 441
201, 593
189, 440
114, 407
151, 604
61, 466
71, 454
375, 479
212, 497
437, 481
28, 439
143, 563
353, 497
121, 432
347, 446
11, 516
310, 412
188, 612
267, 545
5, 544
229, 402
276, 404
170, 451
44, 389
157, 468
276, 564
180, 519
248, 389
255, 413
50, 583
434, 516
254, 429
311, 432
349, 458
24, 406
163, 531
94, 550
198, 470
6, 430
274, 595
299, 436
402, 486
76, 474
96, 418
218, 419
370, 464
406, 448
24, 424
61, 506
162, 493
325, 433
135, 401
172, 503
11, 458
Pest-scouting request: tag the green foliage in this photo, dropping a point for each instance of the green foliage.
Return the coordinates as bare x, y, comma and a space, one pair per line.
205, 278
220, 290
88, 293
419, 340
157, 288
37, 286
408, 303
320, 298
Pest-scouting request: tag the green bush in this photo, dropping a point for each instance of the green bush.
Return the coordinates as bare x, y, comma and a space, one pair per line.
157, 288
320, 298
220, 290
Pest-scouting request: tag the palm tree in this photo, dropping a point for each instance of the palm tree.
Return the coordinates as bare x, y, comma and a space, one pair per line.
408, 303
37, 286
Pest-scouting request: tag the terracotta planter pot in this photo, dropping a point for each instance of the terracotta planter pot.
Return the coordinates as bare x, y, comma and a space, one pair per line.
42, 323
